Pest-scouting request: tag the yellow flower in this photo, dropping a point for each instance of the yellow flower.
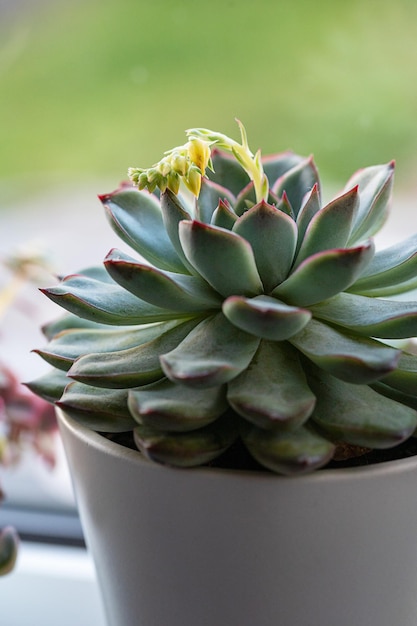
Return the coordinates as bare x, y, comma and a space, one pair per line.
199, 151
193, 180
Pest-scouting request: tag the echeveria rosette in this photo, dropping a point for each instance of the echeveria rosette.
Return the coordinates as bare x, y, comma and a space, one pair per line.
260, 317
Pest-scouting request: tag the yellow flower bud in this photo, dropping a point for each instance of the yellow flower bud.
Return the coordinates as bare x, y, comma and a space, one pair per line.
200, 153
142, 182
173, 182
193, 180
165, 167
179, 163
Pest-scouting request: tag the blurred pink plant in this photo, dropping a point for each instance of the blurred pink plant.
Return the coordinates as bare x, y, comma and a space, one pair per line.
26, 421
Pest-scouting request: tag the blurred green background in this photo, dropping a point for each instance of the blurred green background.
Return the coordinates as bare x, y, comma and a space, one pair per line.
90, 87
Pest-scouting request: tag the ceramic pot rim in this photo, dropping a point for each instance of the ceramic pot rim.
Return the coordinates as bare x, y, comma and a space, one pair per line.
352, 474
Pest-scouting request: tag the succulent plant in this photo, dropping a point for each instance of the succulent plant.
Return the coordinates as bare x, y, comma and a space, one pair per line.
256, 314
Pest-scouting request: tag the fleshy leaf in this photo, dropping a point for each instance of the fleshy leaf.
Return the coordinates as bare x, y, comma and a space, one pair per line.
284, 205
330, 227
265, 317
175, 408
212, 354
370, 317
68, 322
173, 212
385, 292
246, 199
181, 291
227, 172
297, 182
273, 237
272, 392
223, 258
210, 195
375, 185
137, 219
131, 367
97, 272
104, 302
290, 452
311, 205
404, 377
390, 267
104, 410
399, 396
353, 359
49, 386
275, 165
188, 449
358, 414
224, 216
324, 275
62, 351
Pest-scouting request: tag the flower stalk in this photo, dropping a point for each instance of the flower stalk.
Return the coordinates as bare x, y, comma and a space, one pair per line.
188, 163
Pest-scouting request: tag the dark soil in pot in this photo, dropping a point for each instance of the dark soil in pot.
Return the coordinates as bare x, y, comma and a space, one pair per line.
238, 458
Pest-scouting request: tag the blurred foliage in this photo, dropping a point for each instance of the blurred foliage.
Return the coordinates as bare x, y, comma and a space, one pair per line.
90, 87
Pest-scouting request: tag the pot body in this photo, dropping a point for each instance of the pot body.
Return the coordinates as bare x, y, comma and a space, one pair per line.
209, 547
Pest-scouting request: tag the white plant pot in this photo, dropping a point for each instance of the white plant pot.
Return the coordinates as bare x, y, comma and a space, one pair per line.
210, 547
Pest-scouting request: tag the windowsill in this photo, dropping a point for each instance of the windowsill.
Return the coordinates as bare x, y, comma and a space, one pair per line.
51, 585
44, 526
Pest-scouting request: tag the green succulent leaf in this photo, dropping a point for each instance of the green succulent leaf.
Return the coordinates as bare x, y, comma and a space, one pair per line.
275, 165
224, 259
173, 212
174, 408
136, 217
131, 367
265, 317
9, 542
272, 236
182, 292
272, 392
49, 386
399, 396
358, 414
390, 267
404, 377
103, 410
66, 347
297, 182
284, 205
324, 275
212, 354
385, 292
353, 359
68, 322
330, 227
187, 449
224, 216
290, 452
370, 317
375, 185
228, 172
210, 195
105, 303
311, 205
246, 199
96, 272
